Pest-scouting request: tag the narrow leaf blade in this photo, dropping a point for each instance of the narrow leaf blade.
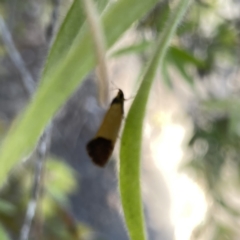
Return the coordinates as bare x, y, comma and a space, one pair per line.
130, 152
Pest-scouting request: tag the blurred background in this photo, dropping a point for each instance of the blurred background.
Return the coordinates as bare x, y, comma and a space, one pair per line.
190, 154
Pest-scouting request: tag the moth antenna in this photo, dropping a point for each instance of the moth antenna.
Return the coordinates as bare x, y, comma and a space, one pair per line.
116, 87
127, 99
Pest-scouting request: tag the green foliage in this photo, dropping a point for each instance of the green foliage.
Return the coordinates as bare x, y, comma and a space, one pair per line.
215, 144
71, 58
181, 60
61, 183
62, 79
132, 49
3, 234
156, 19
70, 28
130, 152
66, 35
13, 201
216, 137
6, 207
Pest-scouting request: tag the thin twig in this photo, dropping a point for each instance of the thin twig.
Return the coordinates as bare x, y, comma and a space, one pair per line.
15, 56
40, 152
44, 141
54, 17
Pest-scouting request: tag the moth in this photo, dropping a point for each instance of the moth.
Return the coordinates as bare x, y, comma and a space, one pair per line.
100, 148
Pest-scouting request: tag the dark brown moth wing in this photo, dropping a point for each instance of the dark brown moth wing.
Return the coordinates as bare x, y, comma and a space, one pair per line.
100, 150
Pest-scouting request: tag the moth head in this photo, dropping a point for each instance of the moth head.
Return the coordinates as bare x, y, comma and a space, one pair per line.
120, 95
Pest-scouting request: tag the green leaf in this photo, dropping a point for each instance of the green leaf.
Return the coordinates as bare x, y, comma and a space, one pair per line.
228, 106
181, 59
61, 182
60, 178
130, 152
66, 34
165, 75
7, 207
223, 231
181, 68
156, 18
134, 48
68, 31
184, 56
3, 234
59, 82
101, 4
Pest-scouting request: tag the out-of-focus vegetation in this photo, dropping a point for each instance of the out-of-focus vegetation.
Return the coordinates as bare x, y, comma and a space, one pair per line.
205, 56
54, 217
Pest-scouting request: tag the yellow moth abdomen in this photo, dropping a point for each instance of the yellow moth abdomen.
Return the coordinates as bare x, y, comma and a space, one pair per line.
100, 148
